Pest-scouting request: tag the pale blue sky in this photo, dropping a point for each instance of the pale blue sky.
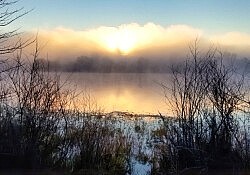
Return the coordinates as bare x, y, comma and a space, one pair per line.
212, 16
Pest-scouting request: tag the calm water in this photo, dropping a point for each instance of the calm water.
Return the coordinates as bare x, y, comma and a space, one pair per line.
138, 93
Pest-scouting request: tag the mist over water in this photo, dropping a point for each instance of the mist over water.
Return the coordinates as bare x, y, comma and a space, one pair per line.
129, 85
139, 93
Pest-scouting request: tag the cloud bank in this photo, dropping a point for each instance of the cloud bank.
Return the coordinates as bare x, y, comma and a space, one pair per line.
134, 40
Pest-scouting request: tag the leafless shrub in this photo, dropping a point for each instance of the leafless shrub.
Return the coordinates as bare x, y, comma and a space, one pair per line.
206, 98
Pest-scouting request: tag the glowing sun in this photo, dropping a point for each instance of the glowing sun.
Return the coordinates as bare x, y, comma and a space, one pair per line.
123, 41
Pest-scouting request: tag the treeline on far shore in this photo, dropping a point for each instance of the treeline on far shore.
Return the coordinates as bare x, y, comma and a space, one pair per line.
130, 65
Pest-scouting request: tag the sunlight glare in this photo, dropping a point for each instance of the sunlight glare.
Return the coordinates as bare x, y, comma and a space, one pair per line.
123, 41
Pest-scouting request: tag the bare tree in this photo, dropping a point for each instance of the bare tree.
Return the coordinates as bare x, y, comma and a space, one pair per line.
10, 40
225, 96
206, 96
187, 93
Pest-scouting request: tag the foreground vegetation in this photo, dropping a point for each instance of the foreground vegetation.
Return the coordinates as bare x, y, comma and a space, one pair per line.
210, 102
43, 127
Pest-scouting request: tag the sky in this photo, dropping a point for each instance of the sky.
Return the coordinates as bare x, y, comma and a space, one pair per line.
132, 27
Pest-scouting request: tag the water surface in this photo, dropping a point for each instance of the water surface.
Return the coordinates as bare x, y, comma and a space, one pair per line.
129, 92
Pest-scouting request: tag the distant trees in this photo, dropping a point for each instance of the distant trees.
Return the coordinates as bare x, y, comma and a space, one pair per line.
128, 65
116, 65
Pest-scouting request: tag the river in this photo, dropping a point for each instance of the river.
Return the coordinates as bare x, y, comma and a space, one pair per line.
139, 93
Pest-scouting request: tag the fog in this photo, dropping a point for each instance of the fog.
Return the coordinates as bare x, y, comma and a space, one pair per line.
150, 41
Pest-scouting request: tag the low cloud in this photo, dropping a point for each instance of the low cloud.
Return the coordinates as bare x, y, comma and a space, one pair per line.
134, 40
235, 42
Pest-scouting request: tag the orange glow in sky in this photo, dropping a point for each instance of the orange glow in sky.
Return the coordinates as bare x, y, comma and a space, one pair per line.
135, 40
